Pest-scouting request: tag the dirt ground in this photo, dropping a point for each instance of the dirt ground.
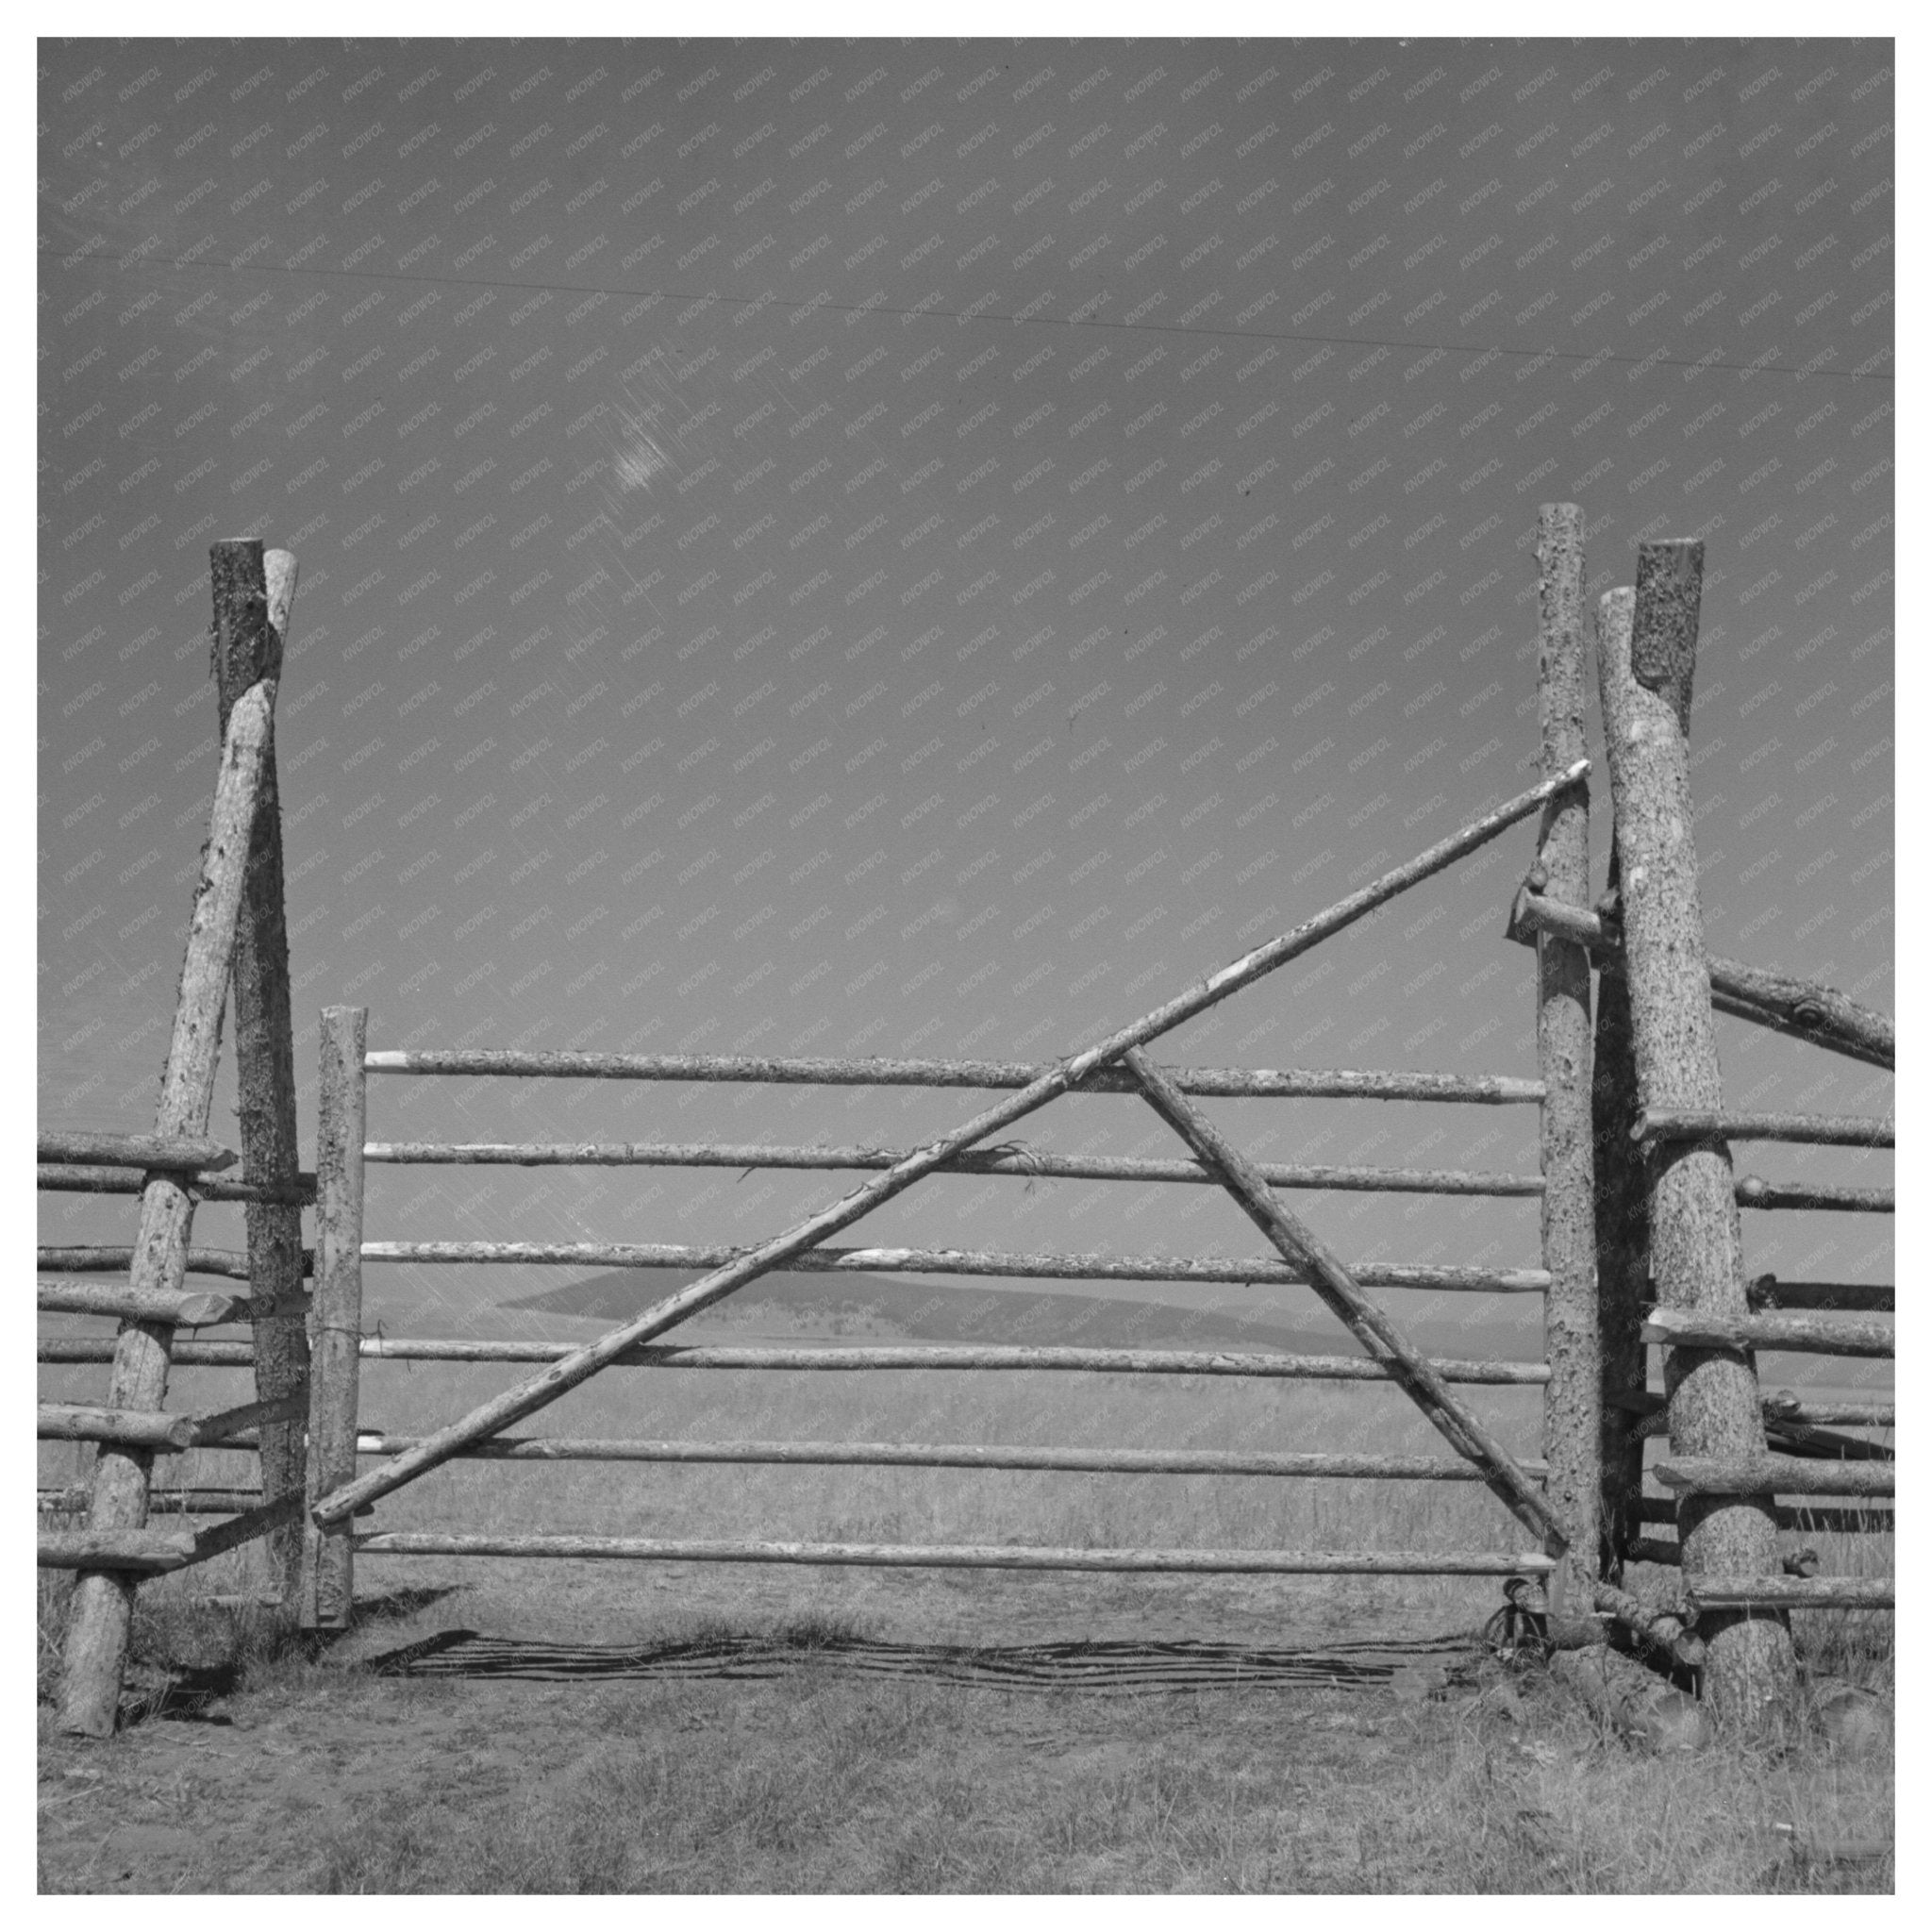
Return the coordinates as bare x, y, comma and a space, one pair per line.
720, 1728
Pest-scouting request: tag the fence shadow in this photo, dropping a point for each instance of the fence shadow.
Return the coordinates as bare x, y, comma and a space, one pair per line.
1100, 1666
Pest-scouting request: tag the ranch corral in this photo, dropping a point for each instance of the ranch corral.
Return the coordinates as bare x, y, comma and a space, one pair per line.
1728, 1589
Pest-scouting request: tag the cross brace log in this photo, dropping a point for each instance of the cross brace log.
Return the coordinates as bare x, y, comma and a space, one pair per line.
498, 1414
1338, 1289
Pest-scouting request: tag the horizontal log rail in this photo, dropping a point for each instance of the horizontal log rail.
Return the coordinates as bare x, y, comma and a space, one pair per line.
1753, 1192
153, 1429
1767, 1293
149, 1552
68, 1179
166, 1153
229, 1263
1816, 1014
1844, 1335
1026, 1163
1817, 1129
185, 1308
1792, 1439
1103, 1361
958, 1456
1269, 1270
1654, 1628
1873, 1519
1229, 1083
196, 1500
965, 1556
1775, 1476
1786, 1407
156, 1551
1792, 1593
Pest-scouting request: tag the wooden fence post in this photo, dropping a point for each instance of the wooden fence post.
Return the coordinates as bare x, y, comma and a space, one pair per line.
328, 1580
1572, 1397
96, 1648
1647, 640
252, 596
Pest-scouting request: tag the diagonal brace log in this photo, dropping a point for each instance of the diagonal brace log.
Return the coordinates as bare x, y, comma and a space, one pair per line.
1338, 1289
492, 1417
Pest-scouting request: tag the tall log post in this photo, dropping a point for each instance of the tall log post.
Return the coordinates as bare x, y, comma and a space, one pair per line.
253, 597
97, 1624
1572, 1397
328, 1580
1647, 641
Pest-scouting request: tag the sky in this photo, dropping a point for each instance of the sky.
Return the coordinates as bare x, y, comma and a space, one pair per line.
927, 547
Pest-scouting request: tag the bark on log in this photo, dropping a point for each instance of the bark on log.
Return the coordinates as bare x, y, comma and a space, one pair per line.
56, 1178
1572, 1397
132, 1428
1646, 647
1806, 1011
226, 1262
1806, 1333
1753, 1192
1814, 1129
159, 1305
495, 1415
1109, 1361
962, 1556
147, 1152
1793, 1592
1377, 1335
1764, 1475
199, 1500
254, 595
117, 1552
328, 1585
1024, 1161
1767, 1293
97, 1645
1230, 1083
963, 1262
958, 1456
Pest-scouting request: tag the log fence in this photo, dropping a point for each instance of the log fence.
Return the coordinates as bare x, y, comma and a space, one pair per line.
1637, 1204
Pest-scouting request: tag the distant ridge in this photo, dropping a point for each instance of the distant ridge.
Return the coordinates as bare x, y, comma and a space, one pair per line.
862, 1305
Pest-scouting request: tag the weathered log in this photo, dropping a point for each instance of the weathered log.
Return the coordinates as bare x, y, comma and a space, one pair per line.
397, 1542
226, 1262
1766, 1292
1754, 1192
1232, 1083
1572, 1397
58, 1180
147, 1551
1806, 1011
1270, 1269
1792, 1593
959, 1455
1782, 1407
199, 1500
161, 1305
1804, 1519
162, 1153
1816, 1130
1646, 643
1027, 1162
1807, 1334
1656, 1628
249, 1526
329, 1584
1766, 1476
254, 595
498, 1414
1345, 1299
131, 1428
223, 1425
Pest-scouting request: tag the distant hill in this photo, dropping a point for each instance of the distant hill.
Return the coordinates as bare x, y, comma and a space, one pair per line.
889, 1307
